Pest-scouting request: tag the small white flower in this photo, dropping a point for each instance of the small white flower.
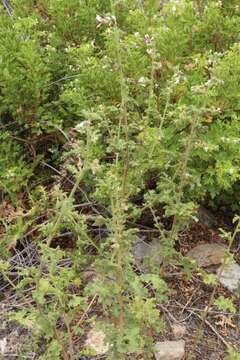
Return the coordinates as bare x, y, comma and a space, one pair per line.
143, 81
113, 18
147, 39
99, 19
209, 83
150, 52
81, 125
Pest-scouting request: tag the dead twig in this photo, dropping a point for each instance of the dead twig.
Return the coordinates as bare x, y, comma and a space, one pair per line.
220, 337
7, 7
190, 299
165, 310
87, 310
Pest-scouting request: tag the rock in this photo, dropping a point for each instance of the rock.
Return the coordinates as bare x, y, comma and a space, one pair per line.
230, 278
3, 346
214, 356
88, 274
146, 252
207, 254
206, 218
178, 330
96, 341
13, 338
169, 350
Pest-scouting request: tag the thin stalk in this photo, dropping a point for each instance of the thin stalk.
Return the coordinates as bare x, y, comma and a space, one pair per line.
70, 338
57, 337
123, 123
5, 276
161, 122
124, 112
179, 196
151, 89
118, 255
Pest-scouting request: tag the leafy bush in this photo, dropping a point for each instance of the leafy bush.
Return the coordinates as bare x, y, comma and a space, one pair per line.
14, 169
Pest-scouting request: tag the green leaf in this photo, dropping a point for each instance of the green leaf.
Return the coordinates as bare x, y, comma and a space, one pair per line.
44, 287
225, 304
76, 301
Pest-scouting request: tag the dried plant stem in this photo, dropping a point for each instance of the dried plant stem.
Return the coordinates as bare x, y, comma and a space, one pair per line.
87, 310
120, 195
123, 122
184, 164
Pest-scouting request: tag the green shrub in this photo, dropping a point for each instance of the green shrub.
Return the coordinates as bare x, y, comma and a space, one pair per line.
14, 169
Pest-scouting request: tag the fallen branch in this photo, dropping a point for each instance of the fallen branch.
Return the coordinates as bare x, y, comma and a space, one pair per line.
220, 337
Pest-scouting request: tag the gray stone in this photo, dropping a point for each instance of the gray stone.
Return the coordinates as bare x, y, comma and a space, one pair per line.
169, 350
207, 254
144, 253
96, 342
179, 330
3, 345
206, 218
230, 278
